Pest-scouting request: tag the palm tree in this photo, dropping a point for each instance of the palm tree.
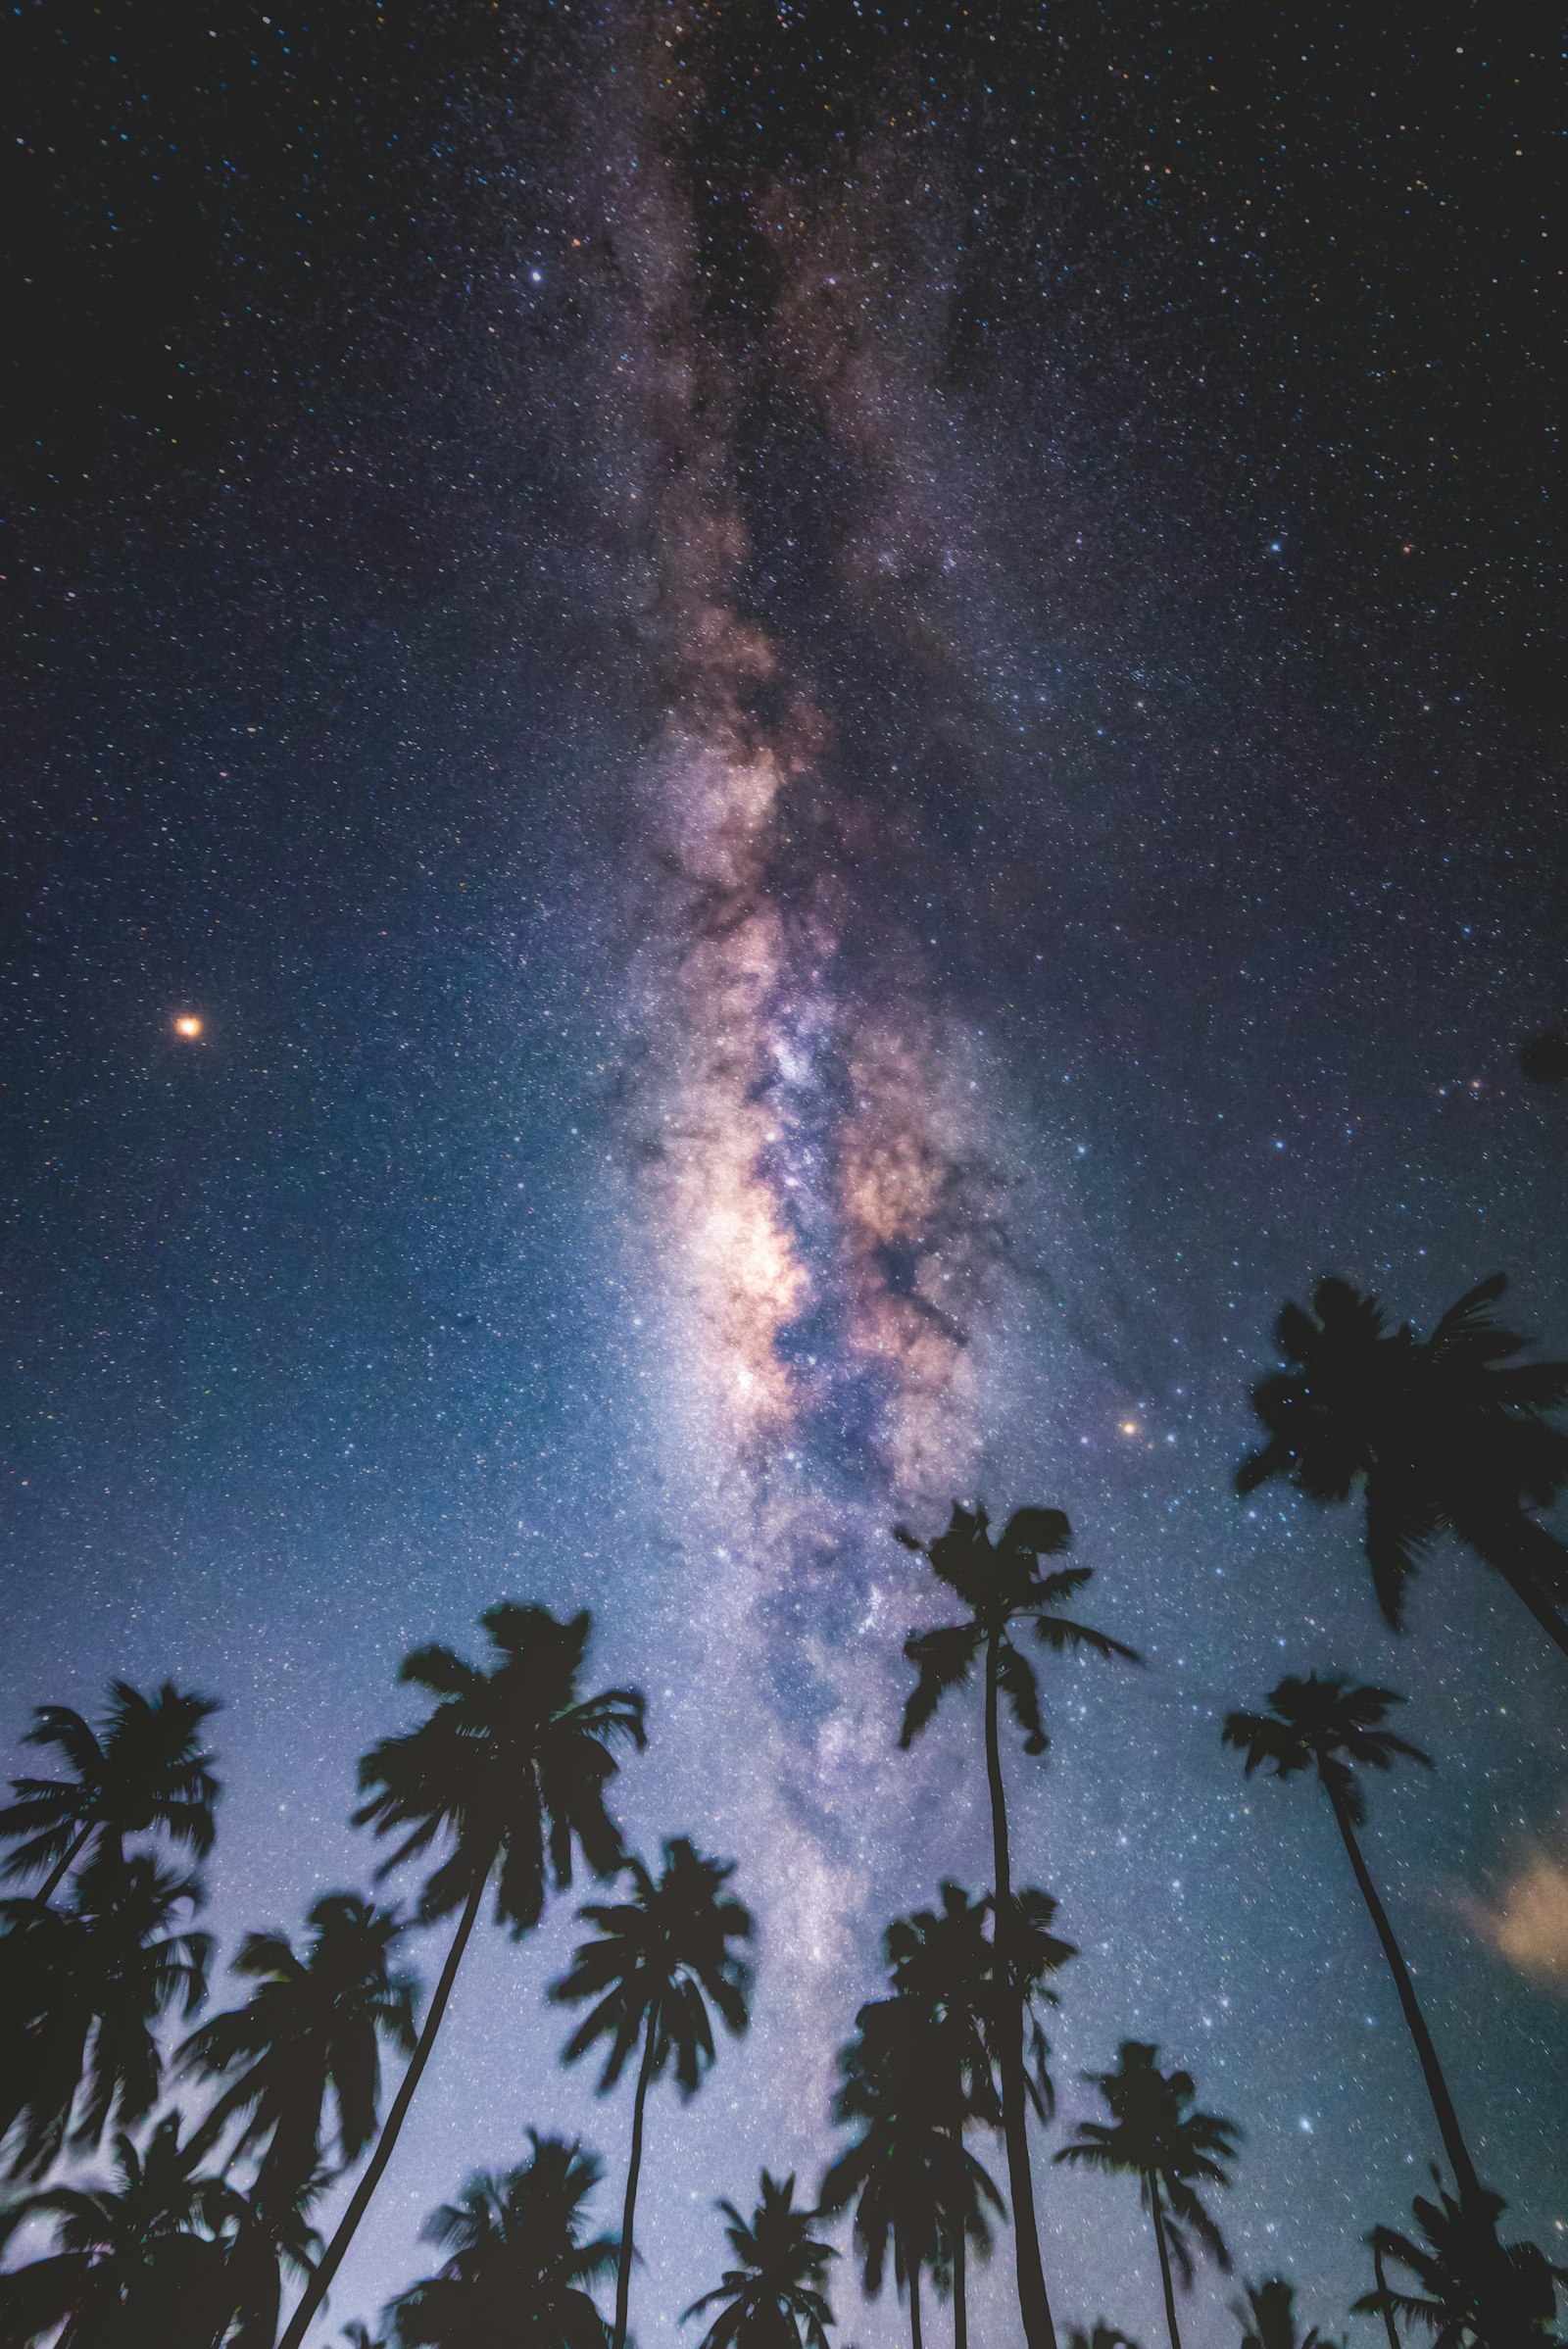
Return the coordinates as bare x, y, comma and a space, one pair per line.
661, 1959
1442, 1433
142, 1771
1100, 2335
512, 1769
520, 2273
81, 1992
1474, 2292
773, 2297
1267, 2318
138, 2264
270, 2233
944, 1961
311, 2029
916, 2188
1155, 2137
1332, 1726
1000, 1588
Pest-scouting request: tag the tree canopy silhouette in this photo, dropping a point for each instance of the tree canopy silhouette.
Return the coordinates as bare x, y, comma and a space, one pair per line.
1472, 2291
510, 1770
659, 1961
520, 2264
1003, 1590
143, 1770
1442, 1433
1154, 2135
774, 2297
1267, 2318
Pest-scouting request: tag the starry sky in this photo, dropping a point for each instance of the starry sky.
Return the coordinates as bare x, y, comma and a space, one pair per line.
847, 721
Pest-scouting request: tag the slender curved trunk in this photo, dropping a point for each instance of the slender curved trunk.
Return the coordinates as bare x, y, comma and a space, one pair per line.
645, 2072
1171, 2327
332, 2259
961, 2289
62, 1867
1527, 1558
1389, 2325
1034, 2306
1453, 2144
916, 2337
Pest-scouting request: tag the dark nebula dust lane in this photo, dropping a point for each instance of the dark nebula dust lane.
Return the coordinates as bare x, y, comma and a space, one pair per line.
843, 724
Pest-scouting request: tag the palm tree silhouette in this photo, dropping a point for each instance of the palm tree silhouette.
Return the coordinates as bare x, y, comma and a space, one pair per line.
80, 1993
661, 1960
311, 2029
1155, 2137
944, 1961
773, 2297
1445, 1432
1332, 1726
511, 1768
916, 2187
1100, 2335
1267, 2318
267, 2235
1473, 2291
142, 1771
137, 2264
1001, 1587
520, 2269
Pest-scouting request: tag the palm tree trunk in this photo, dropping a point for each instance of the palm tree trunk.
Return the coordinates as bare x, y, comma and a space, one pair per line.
915, 2335
1034, 2306
1527, 1558
1447, 2119
331, 2258
1389, 2325
628, 2214
960, 2287
1171, 2327
58, 1874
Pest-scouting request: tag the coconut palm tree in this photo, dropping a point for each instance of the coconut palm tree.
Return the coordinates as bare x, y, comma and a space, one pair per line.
510, 1770
82, 1992
773, 2297
520, 2271
1473, 2291
1442, 1433
142, 1772
311, 2030
1267, 2318
1154, 2135
137, 2264
269, 2233
916, 2188
661, 1960
1333, 1728
1001, 1589
1100, 2335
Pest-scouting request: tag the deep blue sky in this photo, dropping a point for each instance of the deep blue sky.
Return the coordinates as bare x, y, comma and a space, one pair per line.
851, 727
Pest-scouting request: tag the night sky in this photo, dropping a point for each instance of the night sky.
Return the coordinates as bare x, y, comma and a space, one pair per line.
848, 723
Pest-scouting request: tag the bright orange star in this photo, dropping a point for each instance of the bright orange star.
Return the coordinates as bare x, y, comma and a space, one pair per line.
187, 1024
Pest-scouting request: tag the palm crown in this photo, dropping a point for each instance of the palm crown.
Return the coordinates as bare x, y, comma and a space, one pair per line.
772, 2299
1445, 1431
1472, 2290
1154, 2135
311, 2029
520, 2264
512, 1765
143, 1770
1267, 2317
1325, 1724
944, 1961
661, 1960
1000, 1585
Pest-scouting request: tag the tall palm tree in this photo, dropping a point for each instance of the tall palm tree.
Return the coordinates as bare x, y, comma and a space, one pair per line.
311, 2030
661, 1959
269, 2234
136, 2264
520, 2271
1001, 1588
916, 2187
1473, 2291
1267, 2318
1154, 2135
1442, 1433
774, 2297
141, 1771
1100, 2335
511, 1768
1334, 1728
82, 1992
944, 1962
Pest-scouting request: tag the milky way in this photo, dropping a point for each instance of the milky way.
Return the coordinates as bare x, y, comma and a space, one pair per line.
845, 726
